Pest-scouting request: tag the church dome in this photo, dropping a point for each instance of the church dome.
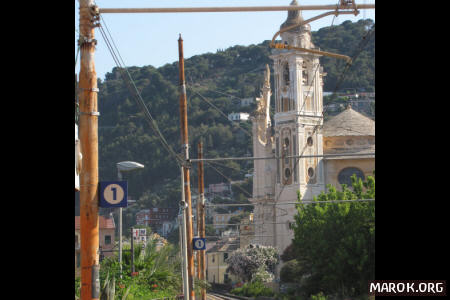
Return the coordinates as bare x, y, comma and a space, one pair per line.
349, 123
294, 17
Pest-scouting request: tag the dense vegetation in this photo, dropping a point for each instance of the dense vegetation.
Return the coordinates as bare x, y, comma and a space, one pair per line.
157, 274
333, 250
222, 78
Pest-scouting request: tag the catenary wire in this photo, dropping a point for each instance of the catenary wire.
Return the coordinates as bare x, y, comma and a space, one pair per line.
141, 103
138, 98
339, 82
218, 109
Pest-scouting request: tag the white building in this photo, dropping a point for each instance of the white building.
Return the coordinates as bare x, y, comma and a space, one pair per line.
240, 116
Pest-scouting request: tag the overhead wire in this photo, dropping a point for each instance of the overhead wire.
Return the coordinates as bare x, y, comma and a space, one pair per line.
291, 203
230, 167
121, 67
304, 148
141, 103
216, 91
339, 82
229, 180
219, 110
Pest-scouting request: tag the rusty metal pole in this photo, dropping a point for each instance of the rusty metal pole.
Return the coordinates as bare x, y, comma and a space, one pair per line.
187, 188
232, 9
90, 282
201, 218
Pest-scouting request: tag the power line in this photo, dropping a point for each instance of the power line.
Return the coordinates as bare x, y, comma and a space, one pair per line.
289, 203
250, 224
140, 101
245, 192
241, 235
230, 167
121, 66
296, 161
278, 157
216, 91
362, 44
220, 111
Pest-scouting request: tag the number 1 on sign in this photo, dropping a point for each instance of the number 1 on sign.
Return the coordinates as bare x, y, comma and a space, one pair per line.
114, 190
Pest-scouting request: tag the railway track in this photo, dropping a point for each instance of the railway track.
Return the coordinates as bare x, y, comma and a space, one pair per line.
216, 296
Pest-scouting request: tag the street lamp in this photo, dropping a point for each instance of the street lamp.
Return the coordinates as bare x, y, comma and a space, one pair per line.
124, 166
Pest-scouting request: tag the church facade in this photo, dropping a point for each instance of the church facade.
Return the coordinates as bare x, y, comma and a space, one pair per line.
298, 129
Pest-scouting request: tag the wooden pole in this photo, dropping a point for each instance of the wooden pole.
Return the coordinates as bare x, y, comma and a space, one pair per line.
132, 251
201, 219
187, 187
90, 282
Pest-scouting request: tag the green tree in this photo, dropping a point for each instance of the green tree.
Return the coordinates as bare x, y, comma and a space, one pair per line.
334, 243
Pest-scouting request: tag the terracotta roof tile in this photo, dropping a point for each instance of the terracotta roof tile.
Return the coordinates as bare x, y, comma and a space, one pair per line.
103, 223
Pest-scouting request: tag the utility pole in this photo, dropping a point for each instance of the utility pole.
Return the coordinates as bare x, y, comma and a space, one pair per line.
187, 188
119, 176
132, 251
88, 125
201, 219
184, 253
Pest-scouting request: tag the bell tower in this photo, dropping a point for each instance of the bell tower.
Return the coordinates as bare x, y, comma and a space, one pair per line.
297, 130
298, 114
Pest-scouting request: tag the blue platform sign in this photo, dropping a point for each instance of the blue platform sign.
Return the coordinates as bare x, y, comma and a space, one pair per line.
199, 243
113, 193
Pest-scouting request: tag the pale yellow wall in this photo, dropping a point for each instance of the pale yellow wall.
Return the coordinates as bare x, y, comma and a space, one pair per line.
343, 144
334, 166
102, 234
217, 269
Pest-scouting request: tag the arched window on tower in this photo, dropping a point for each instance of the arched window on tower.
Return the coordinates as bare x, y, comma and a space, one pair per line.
286, 151
304, 73
286, 74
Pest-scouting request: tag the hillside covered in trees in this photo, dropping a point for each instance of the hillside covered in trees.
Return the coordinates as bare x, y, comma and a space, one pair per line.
223, 78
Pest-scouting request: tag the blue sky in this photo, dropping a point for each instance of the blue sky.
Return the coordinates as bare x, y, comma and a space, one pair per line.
152, 39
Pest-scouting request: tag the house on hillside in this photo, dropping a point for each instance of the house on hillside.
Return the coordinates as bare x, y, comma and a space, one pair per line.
240, 116
160, 219
220, 220
222, 189
216, 266
107, 230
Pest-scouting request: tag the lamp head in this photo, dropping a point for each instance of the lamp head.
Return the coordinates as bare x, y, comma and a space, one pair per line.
125, 166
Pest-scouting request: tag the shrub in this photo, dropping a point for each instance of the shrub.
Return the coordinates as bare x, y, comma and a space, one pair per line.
253, 289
